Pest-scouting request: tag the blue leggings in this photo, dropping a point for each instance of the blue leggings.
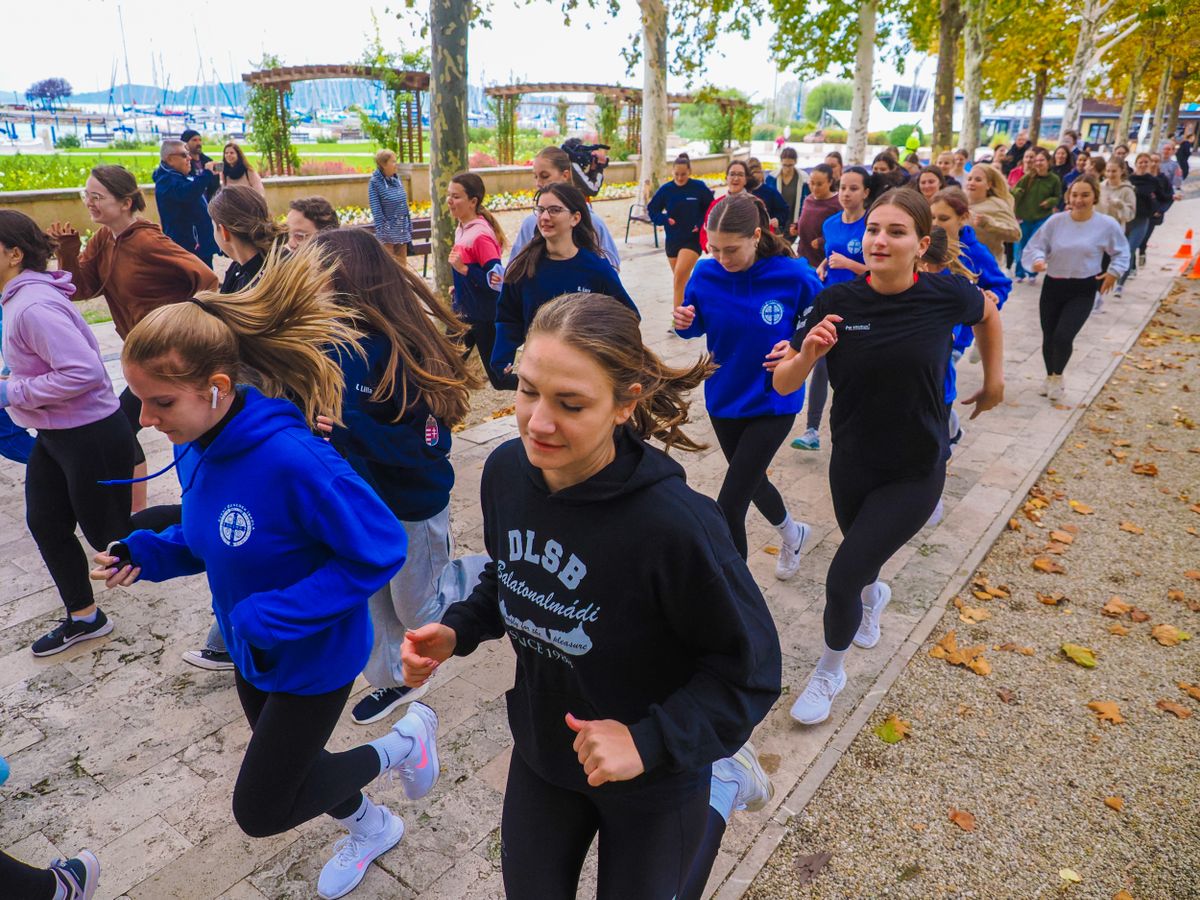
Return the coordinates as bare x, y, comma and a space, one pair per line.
1027, 230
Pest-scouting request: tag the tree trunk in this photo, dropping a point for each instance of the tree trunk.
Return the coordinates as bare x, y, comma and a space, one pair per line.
1160, 107
1125, 120
1085, 47
973, 46
950, 25
864, 77
1179, 77
652, 170
449, 23
1041, 84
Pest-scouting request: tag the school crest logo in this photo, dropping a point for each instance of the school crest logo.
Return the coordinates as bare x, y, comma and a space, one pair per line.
772, 312
235, 525
854, 247
431, 431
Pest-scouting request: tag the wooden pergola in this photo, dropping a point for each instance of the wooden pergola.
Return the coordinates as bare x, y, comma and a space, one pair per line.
508, 98
408, 125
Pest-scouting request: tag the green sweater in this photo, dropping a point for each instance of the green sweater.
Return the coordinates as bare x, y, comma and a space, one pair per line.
1031, 193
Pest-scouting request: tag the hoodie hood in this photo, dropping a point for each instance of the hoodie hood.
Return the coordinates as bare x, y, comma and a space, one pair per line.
261, 418
59, 280
163, 171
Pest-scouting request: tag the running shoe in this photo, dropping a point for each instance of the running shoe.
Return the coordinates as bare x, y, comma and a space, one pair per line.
1098, 304
936, 515
353, 855
810, 440
377, 704
77, 876
875, 597
1045, 388
213, 660
68, 632
1141, 259
1119, 290
1020, 279
788, 562
419, 769
1056, 389
813, 705
754, 788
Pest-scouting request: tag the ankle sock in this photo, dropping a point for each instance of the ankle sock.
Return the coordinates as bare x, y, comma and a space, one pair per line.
722, 796
89, 619
789, 530
392, 748
367, 819
832, 662
870, 595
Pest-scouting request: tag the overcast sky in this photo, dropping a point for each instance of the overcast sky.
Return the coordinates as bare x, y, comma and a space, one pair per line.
82, 43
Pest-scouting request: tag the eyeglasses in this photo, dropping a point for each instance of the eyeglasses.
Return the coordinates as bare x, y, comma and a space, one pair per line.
539, 211
94, 198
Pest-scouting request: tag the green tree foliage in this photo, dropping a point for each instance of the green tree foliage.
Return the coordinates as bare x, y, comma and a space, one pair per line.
705, 120
384, 129
828, 95
265, 128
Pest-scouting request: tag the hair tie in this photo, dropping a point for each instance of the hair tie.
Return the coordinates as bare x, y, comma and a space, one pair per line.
204, 306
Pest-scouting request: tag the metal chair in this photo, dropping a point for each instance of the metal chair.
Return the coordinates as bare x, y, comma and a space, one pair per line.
643, 217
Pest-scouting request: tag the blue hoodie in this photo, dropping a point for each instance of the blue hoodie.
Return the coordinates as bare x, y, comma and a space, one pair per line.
744, 314
979, 260
183, 210
293, 541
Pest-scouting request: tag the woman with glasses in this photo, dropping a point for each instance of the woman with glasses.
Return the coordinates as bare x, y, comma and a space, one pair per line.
562, 258
133, 265
737, 179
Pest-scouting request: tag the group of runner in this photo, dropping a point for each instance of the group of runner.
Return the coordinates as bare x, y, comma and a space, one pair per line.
310, 398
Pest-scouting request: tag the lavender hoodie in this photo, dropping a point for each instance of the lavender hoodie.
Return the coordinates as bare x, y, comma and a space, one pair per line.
58, 378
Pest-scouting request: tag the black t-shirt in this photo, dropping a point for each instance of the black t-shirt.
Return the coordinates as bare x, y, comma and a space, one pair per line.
888, 366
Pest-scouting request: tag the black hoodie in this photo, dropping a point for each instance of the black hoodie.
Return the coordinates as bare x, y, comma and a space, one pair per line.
625, 599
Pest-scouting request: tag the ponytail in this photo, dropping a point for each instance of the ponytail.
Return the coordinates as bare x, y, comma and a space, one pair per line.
243, 212
276, 332
944, 253
473, 187
740, 214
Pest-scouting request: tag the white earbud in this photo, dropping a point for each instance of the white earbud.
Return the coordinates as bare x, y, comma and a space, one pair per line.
215, 394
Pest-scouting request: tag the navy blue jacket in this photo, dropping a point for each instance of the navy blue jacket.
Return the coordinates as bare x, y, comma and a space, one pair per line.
183, 210
777, 207
686, 205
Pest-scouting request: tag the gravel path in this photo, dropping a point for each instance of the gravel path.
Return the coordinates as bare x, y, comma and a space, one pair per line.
1058, 801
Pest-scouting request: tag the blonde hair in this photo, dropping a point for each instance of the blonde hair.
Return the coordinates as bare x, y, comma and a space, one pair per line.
277, 333
997, 185
383, 156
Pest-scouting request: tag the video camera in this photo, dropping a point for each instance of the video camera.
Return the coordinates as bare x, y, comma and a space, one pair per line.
583, 155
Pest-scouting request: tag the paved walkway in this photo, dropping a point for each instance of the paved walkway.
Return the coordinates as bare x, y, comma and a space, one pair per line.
120, 746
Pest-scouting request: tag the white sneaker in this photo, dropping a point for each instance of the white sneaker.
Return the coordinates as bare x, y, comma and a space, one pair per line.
880, 594
754, 788
936, 515
354, 853
789, 554
812, 706
1044, 390
419, 769
1055, 389
1098, 303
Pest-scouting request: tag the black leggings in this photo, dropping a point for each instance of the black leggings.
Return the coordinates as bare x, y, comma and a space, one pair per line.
878, 511
818, 393
131, 406
482, 337
287, 775
25, 882
1064, 306
61, 491
749, 445
646, 851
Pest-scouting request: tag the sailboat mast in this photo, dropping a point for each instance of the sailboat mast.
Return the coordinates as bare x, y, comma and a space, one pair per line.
128, 78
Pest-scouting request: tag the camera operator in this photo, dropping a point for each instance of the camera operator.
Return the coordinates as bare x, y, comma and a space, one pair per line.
588, 162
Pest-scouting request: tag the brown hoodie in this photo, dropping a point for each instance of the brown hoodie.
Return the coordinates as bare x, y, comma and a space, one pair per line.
138, 271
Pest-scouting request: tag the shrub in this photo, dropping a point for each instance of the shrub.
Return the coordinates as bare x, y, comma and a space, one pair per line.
68, 142
835, 136
481, 160
480, 135
327, 139
878, 138
765, 132
130, 144
898, 135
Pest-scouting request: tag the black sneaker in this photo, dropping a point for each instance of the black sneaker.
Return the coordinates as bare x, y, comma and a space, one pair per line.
213, 660
78, 876
379, 703
71, 632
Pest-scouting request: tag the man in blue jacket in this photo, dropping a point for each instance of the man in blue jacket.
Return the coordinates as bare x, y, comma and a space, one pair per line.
182, 204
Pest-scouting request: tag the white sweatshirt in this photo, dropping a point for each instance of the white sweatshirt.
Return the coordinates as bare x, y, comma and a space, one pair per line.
1074, 249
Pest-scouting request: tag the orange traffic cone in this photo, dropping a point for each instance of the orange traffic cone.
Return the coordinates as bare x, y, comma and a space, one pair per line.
1185, 249
1195, 273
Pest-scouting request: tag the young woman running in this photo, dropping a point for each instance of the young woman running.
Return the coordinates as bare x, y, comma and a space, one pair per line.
952, 211
478, 272
1016, 173
1034, 197
945, 164
410, 389
888, 168
306, 217
833, 159
737, 180
133, 265
1062, 163
1165, 198
293, 542
553, 166
929, 182
1118, 200
744, 301
1148, 192
679, 206
777, 207
962, 165
245, 232
389, 205
1069, 249
567, 511
792, 184
821, 203
561, 259
843, 262
992, 211
58, 385
887, 341
236, 170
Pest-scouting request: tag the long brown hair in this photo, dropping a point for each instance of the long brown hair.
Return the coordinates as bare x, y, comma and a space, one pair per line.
583, 234
609, 333
276, 332
393, 301
243, 212
474, 188
740, 214
241, 160
945, 252
120, 182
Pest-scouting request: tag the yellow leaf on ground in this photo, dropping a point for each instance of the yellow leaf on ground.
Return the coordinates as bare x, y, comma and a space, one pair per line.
1001, 593
1192, 690
1049, 566
1014, 525
501, 413
1168, 635
1180, 712
1010, 647
1114, 803
893, 729
1115, 607
1122, 895
1141, 468
1070, 875
1082, 508
1106, 711
970, 657
962, 819
1121, 442
1193, 574
1081, 656
771, 551
1176, 595
973, 615
1132, 529
1062, 537
981, 595
1051, 599
1118, 629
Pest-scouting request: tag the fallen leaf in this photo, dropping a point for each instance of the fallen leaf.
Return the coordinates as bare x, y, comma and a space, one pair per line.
1106, 711
1006, 696
1081, 656
1000, 593
1121, 442
1118, 629
1118, 455
1122, 895
1193, 574
771, 551
1049, 566
1010, 647
1014, 525
501, 413
1114, 803
1051, 599
1168, 635
962, 819
808, 867
1070, 875
970, 657
1082, 508
1195, 507
1180, 712
1141, 468
1192, 690
1115, 607
1137, 615
1176, 595
1132, 529
893, 729
973, 615
1062, 537
982, 595
918, 826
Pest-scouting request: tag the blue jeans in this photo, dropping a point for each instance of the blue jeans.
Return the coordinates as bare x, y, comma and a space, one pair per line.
15, 442
1136, 232
1027, 230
